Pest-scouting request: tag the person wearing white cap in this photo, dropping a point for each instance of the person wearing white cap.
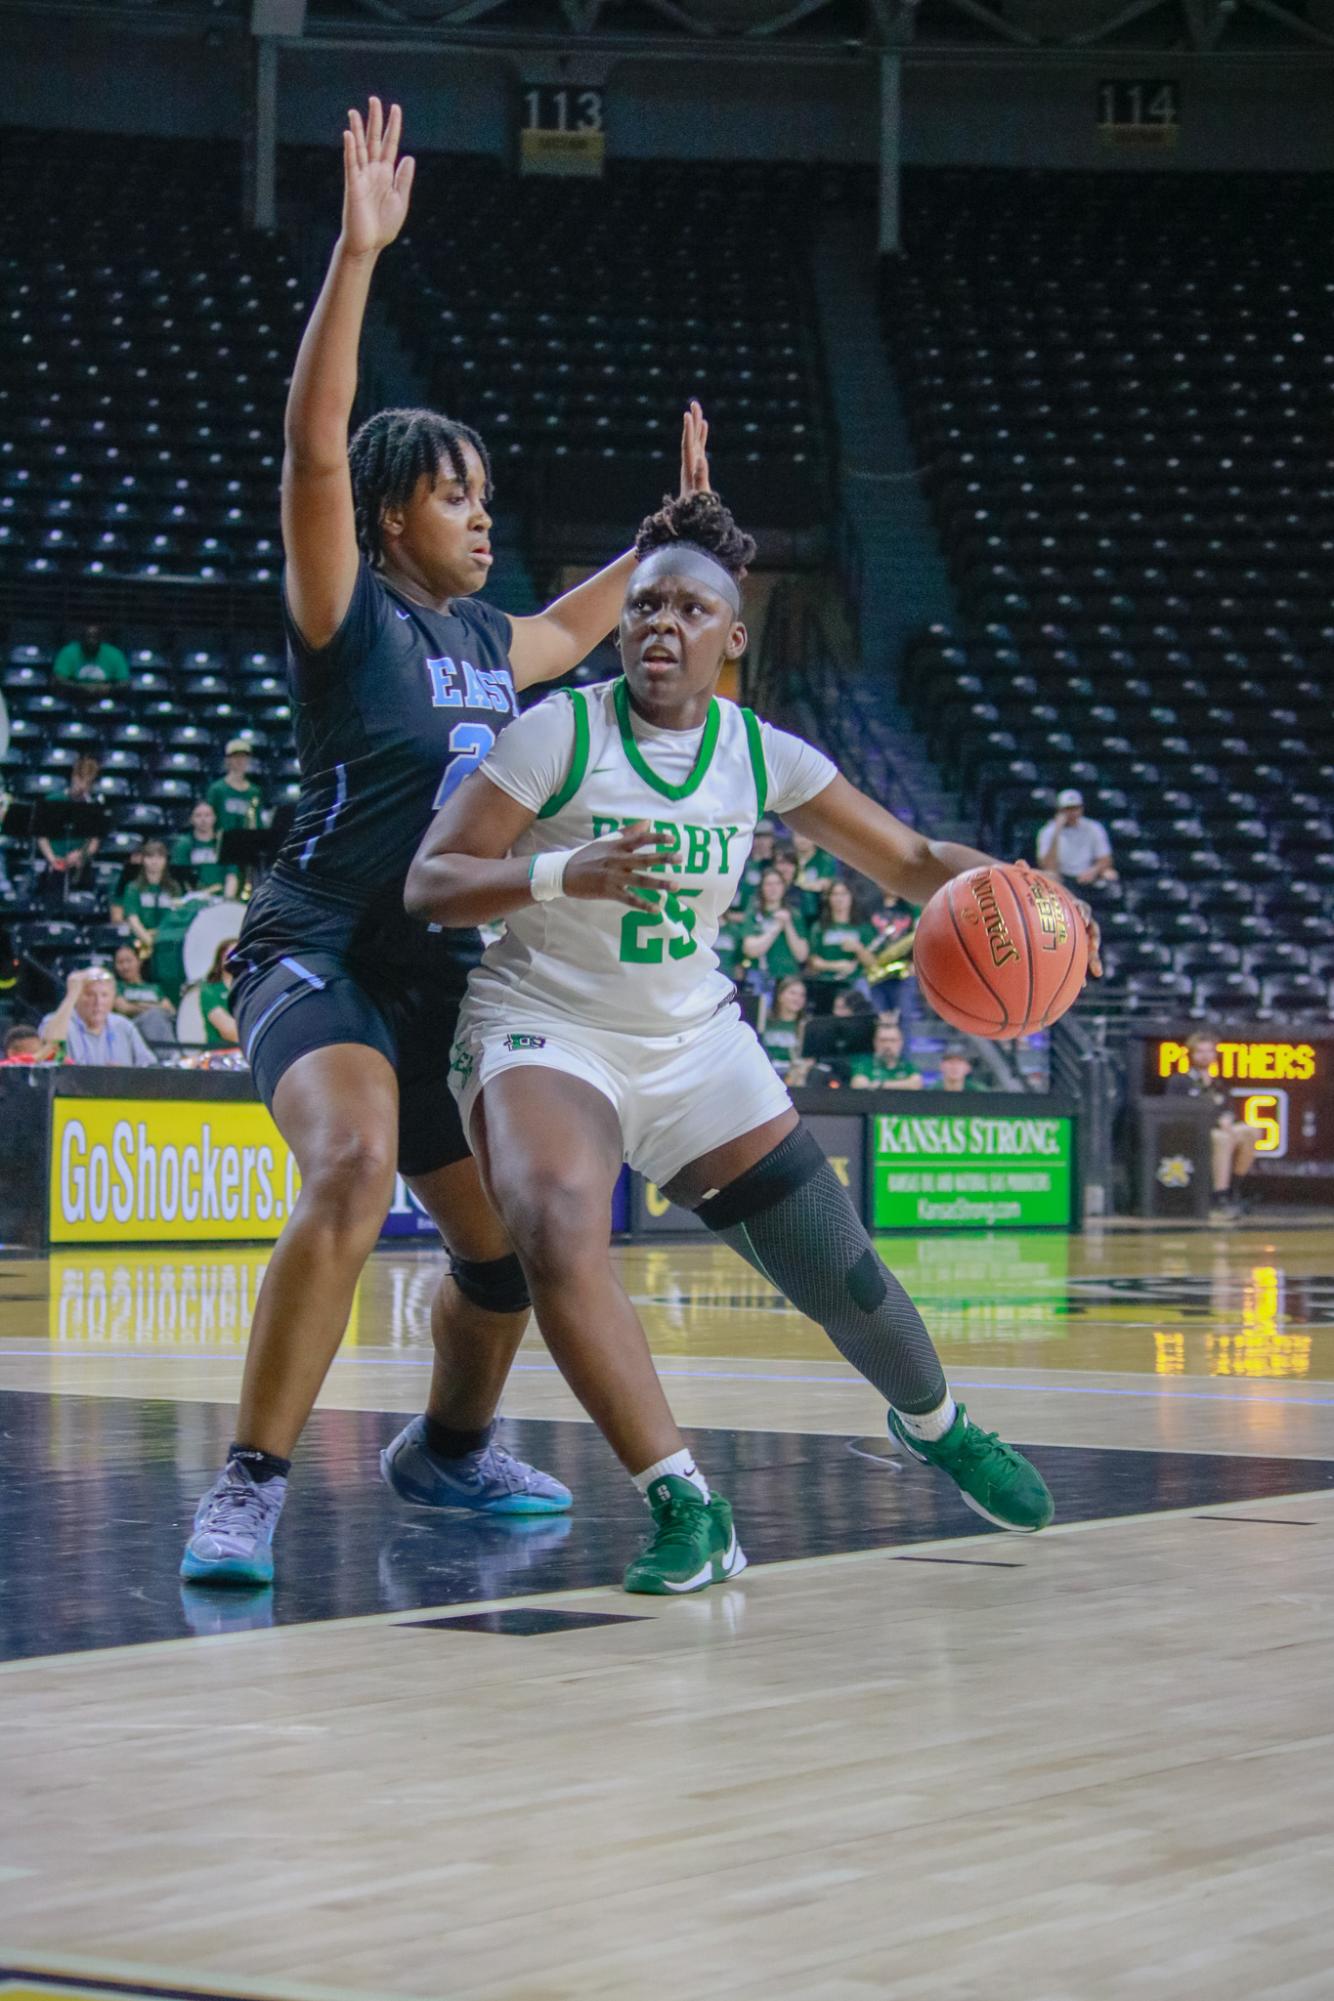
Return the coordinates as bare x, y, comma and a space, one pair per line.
1072, 846
235, 800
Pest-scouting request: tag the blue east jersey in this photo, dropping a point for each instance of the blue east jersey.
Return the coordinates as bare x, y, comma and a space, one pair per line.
389, 717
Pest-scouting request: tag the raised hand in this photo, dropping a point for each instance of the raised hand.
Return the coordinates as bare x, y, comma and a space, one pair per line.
377, 185
694, 452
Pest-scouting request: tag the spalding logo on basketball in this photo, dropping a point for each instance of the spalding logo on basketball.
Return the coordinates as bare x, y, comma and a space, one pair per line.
1001, 951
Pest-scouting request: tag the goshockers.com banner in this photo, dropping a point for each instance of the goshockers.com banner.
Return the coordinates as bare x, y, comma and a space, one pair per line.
983, 1171
124, 1170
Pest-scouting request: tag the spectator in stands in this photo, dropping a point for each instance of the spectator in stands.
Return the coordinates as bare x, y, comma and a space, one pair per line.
88, 1030
804, 903
90, 664
6, 889
197, 851
140, 1001
151, 893
784, 1026
236, 802
1233, 1140
69, 856
888, 1067
840, 944
761, 858
776, 942
1074, 847
215, 1001
956, 1070
893, 919
731, 941
129, 869
23, 1044
815, 869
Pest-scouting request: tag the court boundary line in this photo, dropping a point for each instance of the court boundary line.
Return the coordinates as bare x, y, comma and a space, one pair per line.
756, 1571
1155, 1390
122, 1978
802, 1430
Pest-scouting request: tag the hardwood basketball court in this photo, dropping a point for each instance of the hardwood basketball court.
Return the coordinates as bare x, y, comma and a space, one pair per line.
448, 1757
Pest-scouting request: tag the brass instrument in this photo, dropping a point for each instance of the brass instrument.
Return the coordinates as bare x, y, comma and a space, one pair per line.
892, 959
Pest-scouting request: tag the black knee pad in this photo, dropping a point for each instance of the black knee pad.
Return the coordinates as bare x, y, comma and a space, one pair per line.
497, 1285
792, 1163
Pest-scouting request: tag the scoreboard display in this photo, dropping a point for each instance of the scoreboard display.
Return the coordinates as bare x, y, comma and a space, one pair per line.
1282, 1086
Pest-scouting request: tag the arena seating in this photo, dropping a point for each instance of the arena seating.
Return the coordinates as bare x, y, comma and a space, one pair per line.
570, 321
1121, 404
144, 353
160, 742
145, 349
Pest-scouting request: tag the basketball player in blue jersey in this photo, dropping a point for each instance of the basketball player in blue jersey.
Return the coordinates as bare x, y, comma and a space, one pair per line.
600, 1028
346, 1008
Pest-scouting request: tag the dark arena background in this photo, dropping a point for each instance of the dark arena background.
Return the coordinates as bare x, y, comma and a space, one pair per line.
1012, 322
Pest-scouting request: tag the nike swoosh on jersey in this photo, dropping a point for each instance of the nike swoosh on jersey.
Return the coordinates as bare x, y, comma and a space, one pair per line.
401, 614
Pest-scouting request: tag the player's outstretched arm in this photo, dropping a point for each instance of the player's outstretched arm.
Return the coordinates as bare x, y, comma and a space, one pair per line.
319, 524
463, 873
870, 840
551, 642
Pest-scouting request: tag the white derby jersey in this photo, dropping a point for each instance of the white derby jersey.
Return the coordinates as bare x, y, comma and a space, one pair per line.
587, 765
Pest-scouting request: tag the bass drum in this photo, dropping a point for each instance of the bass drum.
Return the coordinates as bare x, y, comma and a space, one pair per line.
216, 924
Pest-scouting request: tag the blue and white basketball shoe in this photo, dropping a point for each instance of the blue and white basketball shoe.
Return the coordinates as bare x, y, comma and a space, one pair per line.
232, 1542
490, 1481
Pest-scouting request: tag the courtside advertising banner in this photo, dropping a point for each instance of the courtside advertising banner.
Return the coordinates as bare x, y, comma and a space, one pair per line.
972, 1171
127, 1170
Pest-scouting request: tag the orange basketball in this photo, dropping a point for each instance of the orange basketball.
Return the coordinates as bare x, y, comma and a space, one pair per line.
1001, 951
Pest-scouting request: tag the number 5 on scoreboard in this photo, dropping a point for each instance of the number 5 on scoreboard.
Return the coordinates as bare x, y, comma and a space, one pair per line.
1266, 1113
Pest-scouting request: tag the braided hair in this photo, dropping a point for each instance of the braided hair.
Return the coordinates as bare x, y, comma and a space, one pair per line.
702, 522
393, 450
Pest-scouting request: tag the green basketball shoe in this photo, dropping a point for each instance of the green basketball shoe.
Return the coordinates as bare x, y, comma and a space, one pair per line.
995, 1480
693, 1543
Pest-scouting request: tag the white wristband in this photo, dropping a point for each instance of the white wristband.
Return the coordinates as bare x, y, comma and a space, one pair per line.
546, 874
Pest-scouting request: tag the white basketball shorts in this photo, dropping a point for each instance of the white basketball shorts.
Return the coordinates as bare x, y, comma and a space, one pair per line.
676, 1096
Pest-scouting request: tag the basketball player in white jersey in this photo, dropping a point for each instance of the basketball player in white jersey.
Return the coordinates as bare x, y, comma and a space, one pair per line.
608, 828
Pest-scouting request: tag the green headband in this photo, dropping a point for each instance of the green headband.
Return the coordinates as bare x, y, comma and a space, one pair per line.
683, 559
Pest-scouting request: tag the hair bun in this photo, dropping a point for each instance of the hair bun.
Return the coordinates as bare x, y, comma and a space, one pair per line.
703, 520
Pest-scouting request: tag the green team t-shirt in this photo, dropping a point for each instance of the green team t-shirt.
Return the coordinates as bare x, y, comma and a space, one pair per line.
235, 805
818, 872
147, 901
107, 665
779, 960
141, 993
779, 1042
839, 941
728, 943
876, 1072
213, 994
202, 857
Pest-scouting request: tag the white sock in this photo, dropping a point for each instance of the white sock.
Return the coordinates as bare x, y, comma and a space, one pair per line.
930, 1424
681, 1466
